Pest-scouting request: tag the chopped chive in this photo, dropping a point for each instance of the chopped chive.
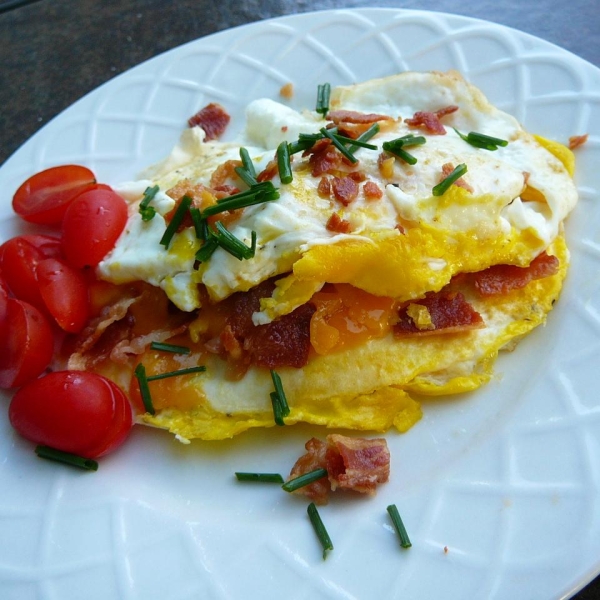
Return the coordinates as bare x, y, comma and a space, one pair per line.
260, 477
200, 224
147, 211
299, 146
247, 163
357, 142
176, 221
284, 163
399, 526
303, 480
248, 179
402, 154
187, 371
140, 373
278, 399
323, 94
319, 528
480, 140
66, 457
233, 245
264, 191
339, 145
207, 249
175, 349
441, 187
396, 147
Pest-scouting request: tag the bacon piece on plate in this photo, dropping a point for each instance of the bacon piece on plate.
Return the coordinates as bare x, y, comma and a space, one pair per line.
577, 140
501, 279
356, 464
213, 118
447, 312
430, 121
372, 191
324, 158
338, 225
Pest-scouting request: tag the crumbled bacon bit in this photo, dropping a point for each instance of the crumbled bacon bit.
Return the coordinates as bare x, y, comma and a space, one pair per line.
212, 118
324, 187
358, 176
501, 279
352, 116
224, 173
345, 189
201, 198
430, 121
269, 171
287, 91
576, 141
356, 464
372, 191
449, 312
324, 158
338, 225
447, 168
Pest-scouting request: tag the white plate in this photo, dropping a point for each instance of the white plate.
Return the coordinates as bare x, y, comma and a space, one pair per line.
498, 489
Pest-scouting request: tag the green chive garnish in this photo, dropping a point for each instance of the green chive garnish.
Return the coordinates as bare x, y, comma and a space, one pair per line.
399, 526
281, 408
396, 147
200, 224
480, 140
207, 249
140, 373
233, 245
319, 528
259, 477
177, 373
303, 480
147, 211
170, 348
248, 165
261, 192
365, 137
284, 163
441, 187
323, 94
176, 221
339, 145
67, 458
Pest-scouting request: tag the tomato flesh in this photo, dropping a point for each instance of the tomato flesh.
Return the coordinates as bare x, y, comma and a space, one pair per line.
74, 411
64, 291
91, 226
45, 196
27, 345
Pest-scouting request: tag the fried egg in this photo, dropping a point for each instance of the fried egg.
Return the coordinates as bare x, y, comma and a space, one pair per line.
404, 245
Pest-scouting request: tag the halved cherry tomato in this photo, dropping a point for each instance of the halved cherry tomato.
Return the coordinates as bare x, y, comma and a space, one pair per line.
45, 196
27, 345
3, 307
74, 411
18, 260
48, 245
91, 226
64, 291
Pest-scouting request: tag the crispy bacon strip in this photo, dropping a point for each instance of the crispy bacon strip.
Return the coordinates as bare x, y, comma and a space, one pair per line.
324, 158
431, 121
449, 313
352, 116
138, 344
213, 118
283, 342
502, 279
356, 464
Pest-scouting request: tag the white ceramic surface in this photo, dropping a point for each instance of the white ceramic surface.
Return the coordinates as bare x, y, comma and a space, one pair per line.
499, 489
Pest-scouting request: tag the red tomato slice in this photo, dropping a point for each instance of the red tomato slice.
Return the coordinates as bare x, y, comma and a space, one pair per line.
48, 245
44, 197
64, 290
73, 411
91, 226
27, 345
3, 308
18, 260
